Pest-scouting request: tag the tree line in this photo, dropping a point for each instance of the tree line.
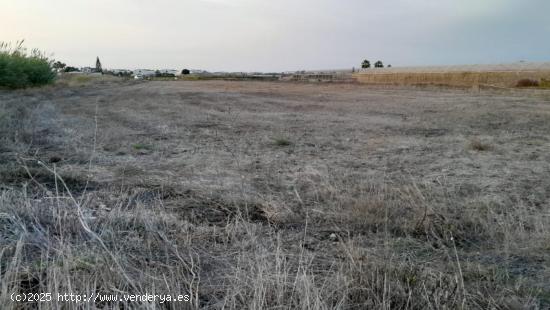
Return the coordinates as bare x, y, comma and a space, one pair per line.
366, 64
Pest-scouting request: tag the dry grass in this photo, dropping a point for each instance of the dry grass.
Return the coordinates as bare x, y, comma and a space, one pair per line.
545, 83
527, 83
191, 194
453, 78
477, 145
82, 79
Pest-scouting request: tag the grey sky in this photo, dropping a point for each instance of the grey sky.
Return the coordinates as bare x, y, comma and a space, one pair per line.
263, 35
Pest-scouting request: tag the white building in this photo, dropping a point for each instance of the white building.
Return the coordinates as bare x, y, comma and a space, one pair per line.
170, 71
144, 72
121, 71
87, 70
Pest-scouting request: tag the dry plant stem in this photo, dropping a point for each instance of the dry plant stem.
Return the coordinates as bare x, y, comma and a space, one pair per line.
86, 228
461, 276
92, 154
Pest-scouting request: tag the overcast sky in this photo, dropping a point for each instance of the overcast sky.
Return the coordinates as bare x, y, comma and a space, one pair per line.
277, 35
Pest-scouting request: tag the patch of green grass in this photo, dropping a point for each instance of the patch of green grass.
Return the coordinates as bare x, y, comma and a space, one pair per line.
83, 79
281, 141
142, 146
77, 79
190, 78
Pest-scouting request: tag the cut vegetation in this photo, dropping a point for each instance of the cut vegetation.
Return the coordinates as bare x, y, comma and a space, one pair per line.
384, 200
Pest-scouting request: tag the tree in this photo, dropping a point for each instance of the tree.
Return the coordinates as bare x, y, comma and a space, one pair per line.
124, 73
378, 64
185, 72
159, 73
70, 69
98, 66
59, 65
389, 66
365, 64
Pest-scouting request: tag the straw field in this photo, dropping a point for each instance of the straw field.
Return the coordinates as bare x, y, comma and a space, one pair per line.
459, 76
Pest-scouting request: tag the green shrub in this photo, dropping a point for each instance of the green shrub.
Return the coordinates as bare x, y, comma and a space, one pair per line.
280, 141
70, 69
20, 68
141, 146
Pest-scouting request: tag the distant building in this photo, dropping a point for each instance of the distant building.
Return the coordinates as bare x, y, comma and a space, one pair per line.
87, 70
170, 71
144, 72
195, 71
121, 71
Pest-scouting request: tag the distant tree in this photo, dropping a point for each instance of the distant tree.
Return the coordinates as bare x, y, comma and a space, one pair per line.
124, 73
70, 69
159, 73
378, 64
59, 65
185, 72
98, 67
389, 66
365, 64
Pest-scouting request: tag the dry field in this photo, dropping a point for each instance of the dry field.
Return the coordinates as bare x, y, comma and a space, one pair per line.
493, 76
260, 195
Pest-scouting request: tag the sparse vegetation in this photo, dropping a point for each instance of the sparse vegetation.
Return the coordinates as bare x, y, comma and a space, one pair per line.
21, 68
82, 79
477, 145
364, 211
142, 146
78, 79
280, 141
527, 83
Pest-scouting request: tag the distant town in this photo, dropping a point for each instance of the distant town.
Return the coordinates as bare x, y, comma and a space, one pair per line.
138, 74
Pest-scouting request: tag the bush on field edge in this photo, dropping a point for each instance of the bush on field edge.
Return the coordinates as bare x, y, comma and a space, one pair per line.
20, 68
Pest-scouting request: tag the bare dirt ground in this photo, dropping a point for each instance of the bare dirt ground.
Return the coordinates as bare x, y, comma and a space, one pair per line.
277, 195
